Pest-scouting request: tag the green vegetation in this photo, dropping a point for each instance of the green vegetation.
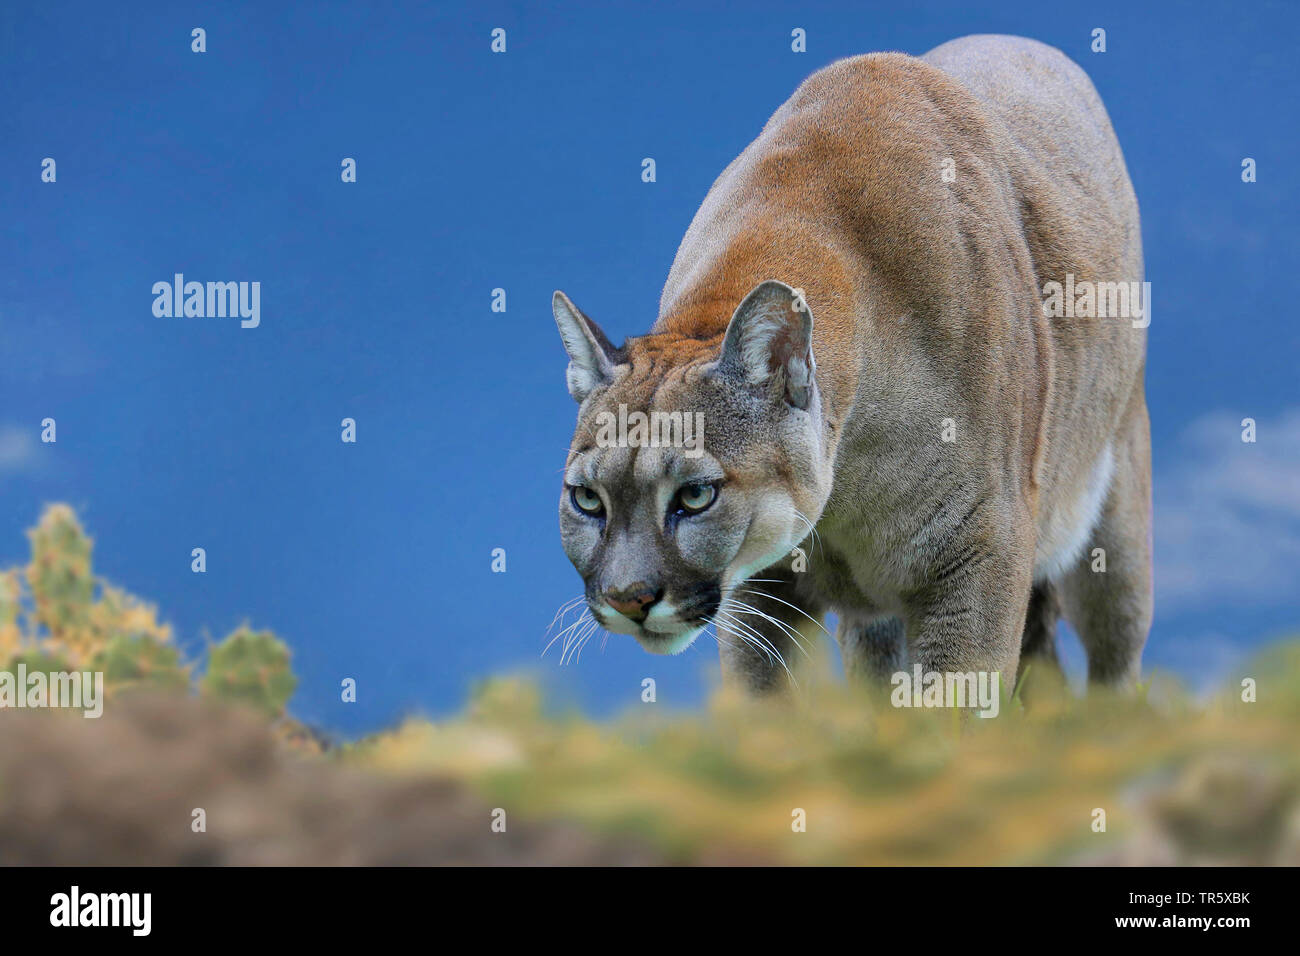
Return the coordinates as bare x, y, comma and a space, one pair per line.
56, 615
251, 666
1179, 780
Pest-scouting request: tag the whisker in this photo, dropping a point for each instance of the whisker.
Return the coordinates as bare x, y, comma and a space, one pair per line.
774, 655
794, 607
746, 629
564, 633
577, 654
740, 606
565, 608
580, 641
558, 636
743, 609
744, 632
812, 528
574, 644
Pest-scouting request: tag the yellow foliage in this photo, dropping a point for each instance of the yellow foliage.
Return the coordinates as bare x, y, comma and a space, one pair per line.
882, 786
72, 614
10, 596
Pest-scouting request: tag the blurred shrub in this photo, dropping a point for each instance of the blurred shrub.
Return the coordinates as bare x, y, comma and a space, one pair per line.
133, 660
251, 667
10, 594
1182, 779
55, 615
60, 580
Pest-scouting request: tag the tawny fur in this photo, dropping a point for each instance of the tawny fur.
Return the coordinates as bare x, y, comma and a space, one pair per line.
926, 297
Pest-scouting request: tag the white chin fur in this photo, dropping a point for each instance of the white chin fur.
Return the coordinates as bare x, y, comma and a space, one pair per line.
668, 644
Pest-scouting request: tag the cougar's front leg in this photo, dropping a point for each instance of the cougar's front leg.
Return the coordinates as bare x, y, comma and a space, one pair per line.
764, 631
970, 615
873, 649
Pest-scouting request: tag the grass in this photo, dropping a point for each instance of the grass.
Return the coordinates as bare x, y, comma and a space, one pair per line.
1179, 779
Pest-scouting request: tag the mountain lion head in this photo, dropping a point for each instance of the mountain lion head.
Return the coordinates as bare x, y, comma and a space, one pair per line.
695, 464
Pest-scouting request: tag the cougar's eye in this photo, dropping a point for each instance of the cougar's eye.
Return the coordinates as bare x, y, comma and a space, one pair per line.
692, 499
587, 501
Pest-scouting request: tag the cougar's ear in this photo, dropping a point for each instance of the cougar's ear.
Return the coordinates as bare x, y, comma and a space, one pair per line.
769, 342
591, 356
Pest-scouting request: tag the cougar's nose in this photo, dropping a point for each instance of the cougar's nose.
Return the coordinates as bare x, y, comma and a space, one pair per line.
633, 602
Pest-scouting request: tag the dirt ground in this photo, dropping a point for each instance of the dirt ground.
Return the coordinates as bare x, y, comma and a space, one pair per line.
121, 790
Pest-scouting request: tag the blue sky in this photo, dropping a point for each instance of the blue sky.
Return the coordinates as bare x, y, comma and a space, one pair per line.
522, 171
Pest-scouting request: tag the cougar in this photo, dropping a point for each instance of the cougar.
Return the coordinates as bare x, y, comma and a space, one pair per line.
895, 426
